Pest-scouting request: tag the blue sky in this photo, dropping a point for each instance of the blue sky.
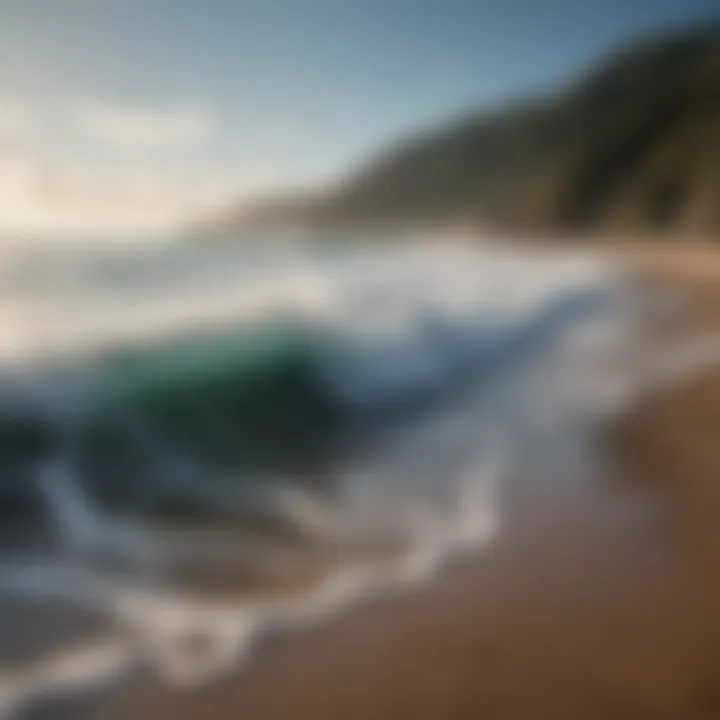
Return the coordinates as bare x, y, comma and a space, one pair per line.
131, 109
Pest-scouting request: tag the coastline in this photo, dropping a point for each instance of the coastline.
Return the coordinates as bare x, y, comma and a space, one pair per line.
599, 602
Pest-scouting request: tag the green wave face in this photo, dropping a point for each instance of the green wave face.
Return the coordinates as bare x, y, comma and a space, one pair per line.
250, 395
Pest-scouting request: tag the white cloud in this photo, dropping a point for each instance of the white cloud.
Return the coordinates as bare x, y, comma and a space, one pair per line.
60, 179
39, 196
134, 128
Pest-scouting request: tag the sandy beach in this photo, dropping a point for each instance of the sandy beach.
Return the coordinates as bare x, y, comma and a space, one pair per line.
599, 600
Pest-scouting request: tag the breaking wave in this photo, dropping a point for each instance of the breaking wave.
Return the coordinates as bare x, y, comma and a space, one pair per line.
225, 448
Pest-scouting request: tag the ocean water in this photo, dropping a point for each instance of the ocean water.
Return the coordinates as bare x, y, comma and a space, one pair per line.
209, 444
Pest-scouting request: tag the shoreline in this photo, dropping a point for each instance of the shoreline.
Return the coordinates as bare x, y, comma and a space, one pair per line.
598, 602
520, 630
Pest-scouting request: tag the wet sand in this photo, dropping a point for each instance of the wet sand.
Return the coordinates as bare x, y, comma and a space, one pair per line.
574, 614
601, 599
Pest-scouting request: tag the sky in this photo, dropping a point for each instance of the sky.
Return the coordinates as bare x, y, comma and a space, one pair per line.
134, 116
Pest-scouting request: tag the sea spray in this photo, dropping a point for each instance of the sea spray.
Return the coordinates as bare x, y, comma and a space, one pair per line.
382, 511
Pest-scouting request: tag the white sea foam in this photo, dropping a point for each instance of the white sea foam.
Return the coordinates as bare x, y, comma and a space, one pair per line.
402, 321
190, 641
63, 674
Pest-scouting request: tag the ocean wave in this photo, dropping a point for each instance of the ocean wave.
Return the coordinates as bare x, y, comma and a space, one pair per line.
323, 458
